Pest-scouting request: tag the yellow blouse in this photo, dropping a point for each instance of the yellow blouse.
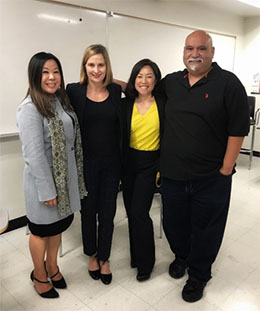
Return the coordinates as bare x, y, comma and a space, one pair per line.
145, 129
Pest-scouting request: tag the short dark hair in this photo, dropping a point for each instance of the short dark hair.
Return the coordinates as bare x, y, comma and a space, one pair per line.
130, 91
41, 100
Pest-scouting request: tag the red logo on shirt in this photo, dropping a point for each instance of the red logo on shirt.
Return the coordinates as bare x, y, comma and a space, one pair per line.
206, 95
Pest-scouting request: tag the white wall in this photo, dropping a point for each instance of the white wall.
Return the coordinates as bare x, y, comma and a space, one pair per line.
251, 66
251, 50
177, 12
183, 13
11, 177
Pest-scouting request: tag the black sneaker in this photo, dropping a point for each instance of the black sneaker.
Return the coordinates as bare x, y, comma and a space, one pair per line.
193, 290
177, 268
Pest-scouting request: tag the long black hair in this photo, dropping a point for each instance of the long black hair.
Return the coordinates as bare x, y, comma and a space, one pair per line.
130, 90
42, 100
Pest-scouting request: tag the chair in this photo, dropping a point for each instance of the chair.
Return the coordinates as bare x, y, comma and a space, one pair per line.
257, 118
158, 191
253, 118
4, 219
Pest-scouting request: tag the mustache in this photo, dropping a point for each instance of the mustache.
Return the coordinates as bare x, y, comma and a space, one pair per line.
195, 59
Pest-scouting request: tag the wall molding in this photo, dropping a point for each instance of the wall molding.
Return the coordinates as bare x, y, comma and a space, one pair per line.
16, 223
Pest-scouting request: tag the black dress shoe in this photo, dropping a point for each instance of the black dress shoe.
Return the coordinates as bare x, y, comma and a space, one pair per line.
193, 290
58, 283
106, 278
49, 294
95, 274
177, 268
141, 277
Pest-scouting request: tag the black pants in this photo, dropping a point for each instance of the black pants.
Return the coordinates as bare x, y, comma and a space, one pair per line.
138, 190
99, 207
194, 219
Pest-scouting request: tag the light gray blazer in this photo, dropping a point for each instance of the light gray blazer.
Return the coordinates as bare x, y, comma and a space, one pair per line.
39, 184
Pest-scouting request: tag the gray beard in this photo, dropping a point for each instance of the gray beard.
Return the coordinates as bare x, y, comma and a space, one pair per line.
193, 67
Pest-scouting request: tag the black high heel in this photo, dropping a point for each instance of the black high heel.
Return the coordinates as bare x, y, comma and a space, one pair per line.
95, 274
52, 293
61, 284
105, 278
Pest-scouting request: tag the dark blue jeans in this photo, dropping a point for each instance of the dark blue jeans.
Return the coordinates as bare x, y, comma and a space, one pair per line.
194, 219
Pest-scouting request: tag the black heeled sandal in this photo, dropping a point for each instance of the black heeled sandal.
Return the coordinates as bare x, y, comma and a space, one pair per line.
52, 293
61, 284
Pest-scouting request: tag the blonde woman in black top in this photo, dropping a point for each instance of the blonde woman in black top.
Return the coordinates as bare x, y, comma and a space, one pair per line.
96, 101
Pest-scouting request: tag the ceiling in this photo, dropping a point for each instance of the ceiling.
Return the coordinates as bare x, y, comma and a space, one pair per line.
231, 6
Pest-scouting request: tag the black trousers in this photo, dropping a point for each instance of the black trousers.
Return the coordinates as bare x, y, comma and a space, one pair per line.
138, 190
194, 219
99, 207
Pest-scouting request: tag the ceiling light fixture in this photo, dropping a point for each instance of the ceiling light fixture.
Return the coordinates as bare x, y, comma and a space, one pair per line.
58, 18
255, 3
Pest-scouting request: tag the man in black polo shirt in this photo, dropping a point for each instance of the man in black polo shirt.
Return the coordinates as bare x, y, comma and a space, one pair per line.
206, 119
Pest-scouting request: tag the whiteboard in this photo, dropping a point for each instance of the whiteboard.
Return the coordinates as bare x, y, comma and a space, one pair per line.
131, 39
29, 26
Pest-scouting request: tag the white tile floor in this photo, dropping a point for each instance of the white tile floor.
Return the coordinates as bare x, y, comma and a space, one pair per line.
235, 285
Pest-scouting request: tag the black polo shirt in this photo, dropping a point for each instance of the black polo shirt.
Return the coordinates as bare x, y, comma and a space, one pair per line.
198, 122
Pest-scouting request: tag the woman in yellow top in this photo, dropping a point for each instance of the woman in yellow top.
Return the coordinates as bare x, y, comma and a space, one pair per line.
142, 119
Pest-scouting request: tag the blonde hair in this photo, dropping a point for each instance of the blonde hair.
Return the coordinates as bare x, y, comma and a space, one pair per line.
89, 52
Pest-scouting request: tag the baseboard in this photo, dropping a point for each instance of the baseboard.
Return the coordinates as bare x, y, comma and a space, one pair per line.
16, 223
255, 153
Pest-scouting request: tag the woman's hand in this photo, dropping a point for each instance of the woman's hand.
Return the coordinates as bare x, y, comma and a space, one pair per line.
52, 202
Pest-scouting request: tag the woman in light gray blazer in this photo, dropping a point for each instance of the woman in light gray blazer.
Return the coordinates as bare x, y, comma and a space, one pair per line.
53, 174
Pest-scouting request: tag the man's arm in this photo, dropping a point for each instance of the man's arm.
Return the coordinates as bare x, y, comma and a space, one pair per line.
234, 145
121, 83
